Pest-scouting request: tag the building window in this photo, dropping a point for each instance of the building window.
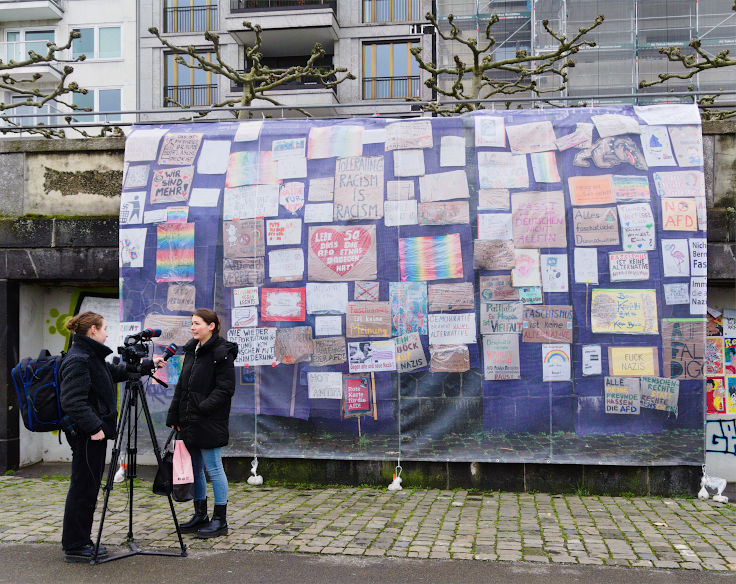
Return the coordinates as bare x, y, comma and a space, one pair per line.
100, 101
38, 116
19, 42
189, 86
190, 15
97, 43
390, 10
389, 71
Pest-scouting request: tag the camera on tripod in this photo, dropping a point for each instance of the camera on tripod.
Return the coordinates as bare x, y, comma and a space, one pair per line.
134, 353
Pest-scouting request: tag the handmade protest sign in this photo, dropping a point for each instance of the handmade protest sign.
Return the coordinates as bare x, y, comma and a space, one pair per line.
687, 142
532, 137
591, 190
679, 214
544, 167
449, 358
131, 208
501, 357
489, 131
321, 189
318, 213
624, 311
358, 188
179, 148
494, 200
142, 144
554, 272
494, 226
622, 395
493, 255
448, 297
175, 252
443, 186
501, 317
628, 266
243, 272
591, 360
214, 157
293, 345
547, 324
659, 393
452, 329
444, 213
359, 396
628, 188
328, 351
251, 201
452, 151
678, 293
400, 213
408, 163
502, 170
327, 325
283, 304
408, 307
680, 183
409, 353
633, 361
683, 347
324, 385
430, 258
286, 265
526, 271
171, 185
367, 291
539, 219
594, 226
256, 346
655, 143
556, 362
368, 319
369, 356
399, 190
244, 316
291, 196
243, 238
174, 329
342, 253
404, 135
180, 297
637, 226
494, 288
586, 265
284, 231
327, 298
675, 256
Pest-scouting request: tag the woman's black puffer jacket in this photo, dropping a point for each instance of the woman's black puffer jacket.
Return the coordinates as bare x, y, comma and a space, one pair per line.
87, 388
201, 402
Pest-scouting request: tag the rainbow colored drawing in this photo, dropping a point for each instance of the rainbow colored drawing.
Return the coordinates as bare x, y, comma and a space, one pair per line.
430, 258
556, 355
175, 252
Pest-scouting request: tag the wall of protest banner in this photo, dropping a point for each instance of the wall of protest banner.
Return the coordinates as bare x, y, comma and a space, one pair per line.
524, 285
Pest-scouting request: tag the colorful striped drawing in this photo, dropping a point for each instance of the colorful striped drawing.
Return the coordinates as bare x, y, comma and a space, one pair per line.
175, 252
430, 258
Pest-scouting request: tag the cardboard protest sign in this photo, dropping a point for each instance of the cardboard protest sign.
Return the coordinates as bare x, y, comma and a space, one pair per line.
556, 362
624, 311
243, 238
358, 188
448, 297
449, 358
446, 213
414, 134
679, 214
408, 163
501, 357
179, 148
174, 329
366, 291
409, 353
633, 361
238, 272
591, 190
547, 324
324, 385
342, 253
369, 356
180, 297
494, 200
293, 345
501, 317
539, 219
399, 190
283, 304
286, 265
328, 351
256, 346
408, 307
171, 185
368, 319
660, 393
493, 255
327, 298
683, 347
452, 329
593, 226
622, 395
494, 288
628, 266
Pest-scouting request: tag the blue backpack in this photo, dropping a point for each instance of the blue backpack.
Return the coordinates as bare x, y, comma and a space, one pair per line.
37, 386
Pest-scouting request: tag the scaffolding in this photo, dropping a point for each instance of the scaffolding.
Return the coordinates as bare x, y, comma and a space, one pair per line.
627, 43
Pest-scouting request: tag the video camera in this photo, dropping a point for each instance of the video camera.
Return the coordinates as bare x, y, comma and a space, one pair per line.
134, 353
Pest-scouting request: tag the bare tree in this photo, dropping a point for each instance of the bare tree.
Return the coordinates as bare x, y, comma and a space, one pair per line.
699, 61
257, 78
35, 97
486, 77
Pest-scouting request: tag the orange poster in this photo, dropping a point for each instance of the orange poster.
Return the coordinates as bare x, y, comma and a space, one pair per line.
679, 214
591, 190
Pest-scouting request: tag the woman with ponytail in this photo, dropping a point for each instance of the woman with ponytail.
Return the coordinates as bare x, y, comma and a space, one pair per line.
89, 398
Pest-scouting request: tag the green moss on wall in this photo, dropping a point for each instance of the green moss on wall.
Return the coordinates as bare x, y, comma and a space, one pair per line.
107, 183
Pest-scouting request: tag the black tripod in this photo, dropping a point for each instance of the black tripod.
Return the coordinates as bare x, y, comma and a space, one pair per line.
133, 397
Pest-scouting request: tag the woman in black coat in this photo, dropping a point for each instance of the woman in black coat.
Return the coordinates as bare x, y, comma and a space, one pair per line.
200, 409
88, 398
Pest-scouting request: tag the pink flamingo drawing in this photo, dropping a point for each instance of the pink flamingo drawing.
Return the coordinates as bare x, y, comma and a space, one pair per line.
675, 253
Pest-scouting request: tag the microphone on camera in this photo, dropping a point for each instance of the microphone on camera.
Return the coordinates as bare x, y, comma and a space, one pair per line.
150, 333
169, 351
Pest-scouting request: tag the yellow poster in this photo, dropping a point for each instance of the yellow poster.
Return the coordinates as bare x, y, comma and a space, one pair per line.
624, 311
633, 361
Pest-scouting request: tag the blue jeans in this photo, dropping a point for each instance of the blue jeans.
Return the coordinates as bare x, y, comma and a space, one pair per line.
211, 460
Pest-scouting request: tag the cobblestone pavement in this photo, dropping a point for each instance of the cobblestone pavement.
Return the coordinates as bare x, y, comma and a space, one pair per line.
530, 527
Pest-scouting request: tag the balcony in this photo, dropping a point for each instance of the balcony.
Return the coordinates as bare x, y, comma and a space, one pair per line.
191, 95
391, 87
243, 6
190, 18
49, 72
17, 10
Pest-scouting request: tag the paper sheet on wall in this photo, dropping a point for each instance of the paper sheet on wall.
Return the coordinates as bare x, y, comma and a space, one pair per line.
321, 189
554, 272
615, 125
592, 364
327, 298
679, 183
400, 213
489, 131
248, 131
286, 265
502, 170
132, 247
624, 311
327, 325
399, 190
532, 137
637, 227
676, 293
214, 157
526, 271
556, 362
408, 163
204, 197
495, 226
585, 260
452, 151
687, 142
444, 186
501, 357
675, 257
655, 142
622, 395
406, 135
131, 207
142, 145
324, 385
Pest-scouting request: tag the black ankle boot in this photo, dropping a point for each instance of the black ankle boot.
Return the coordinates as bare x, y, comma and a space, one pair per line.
199, 519
218, 525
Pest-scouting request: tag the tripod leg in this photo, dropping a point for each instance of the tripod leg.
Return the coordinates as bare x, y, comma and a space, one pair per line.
157, 452
114, 457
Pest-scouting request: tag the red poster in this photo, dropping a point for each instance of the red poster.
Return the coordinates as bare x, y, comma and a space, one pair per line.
288, 304
357, 394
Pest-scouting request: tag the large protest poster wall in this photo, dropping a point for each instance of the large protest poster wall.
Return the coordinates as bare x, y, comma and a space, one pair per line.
500, 286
